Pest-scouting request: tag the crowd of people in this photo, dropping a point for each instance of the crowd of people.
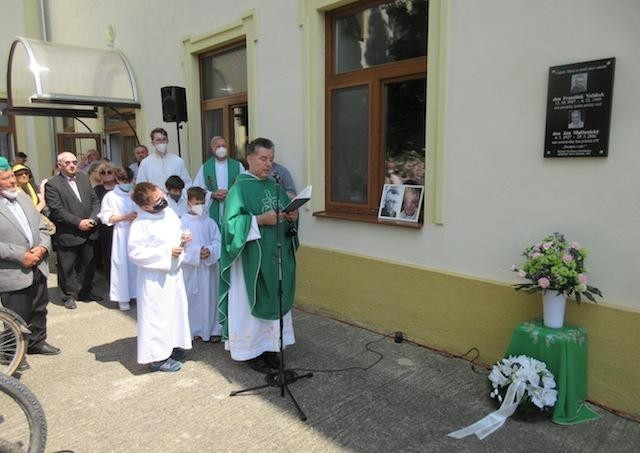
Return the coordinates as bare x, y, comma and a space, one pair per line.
195, 256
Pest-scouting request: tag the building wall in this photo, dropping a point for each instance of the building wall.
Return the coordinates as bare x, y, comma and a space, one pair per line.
447, 283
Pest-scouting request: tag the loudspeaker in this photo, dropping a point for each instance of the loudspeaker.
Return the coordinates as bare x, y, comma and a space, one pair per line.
174, 104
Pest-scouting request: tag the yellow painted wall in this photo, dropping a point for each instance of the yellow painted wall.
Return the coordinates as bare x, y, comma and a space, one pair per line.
456, 312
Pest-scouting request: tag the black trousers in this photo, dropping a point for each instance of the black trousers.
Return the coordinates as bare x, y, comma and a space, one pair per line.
76, 266
31, 304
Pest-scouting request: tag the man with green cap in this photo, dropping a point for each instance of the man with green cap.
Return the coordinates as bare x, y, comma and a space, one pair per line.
24, 248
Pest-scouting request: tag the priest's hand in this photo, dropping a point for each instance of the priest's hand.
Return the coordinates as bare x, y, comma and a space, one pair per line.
176, 251
291, 216
220, 194
267, 218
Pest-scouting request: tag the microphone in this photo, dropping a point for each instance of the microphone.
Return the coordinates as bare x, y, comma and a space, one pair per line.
277, 177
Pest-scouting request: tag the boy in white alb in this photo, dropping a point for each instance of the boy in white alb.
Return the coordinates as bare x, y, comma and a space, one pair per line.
156, 246
175, 195
119, 210
200, 268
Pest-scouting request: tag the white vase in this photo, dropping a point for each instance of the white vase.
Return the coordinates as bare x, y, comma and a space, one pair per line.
553, 308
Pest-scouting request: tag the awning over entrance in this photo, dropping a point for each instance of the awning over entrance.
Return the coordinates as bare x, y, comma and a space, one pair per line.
48, 79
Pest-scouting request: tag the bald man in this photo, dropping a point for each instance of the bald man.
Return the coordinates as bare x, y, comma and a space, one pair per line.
74, 209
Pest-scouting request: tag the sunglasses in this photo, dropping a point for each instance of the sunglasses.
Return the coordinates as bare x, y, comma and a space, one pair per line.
69, 162
106, 172
22, 173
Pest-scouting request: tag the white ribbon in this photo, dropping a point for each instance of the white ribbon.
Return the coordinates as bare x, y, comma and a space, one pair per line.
482, 428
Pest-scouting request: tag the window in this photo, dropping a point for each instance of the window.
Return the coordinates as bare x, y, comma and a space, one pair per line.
375, 102
119, 128
7, 133
223, 84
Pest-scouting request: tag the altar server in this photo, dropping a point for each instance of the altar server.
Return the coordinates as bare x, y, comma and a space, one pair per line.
119, 210
156, 245
200, 267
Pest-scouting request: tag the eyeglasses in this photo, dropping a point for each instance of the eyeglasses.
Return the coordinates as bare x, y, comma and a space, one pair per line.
106, 172
69, 162
22, 173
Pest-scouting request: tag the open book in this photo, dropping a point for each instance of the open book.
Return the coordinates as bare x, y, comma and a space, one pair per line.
299, 200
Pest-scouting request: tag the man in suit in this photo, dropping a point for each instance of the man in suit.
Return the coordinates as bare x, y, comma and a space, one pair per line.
74, 208
24, 248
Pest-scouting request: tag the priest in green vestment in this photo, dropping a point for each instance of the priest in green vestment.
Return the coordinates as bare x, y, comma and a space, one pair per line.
249, 304
217, 175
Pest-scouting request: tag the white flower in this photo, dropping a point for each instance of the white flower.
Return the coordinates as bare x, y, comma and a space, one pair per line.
549, 397
548, 382
497, 377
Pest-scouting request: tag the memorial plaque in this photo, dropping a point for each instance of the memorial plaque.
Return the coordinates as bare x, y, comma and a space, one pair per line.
579, 109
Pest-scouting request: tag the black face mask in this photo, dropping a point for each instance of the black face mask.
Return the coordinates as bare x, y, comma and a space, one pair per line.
160, 205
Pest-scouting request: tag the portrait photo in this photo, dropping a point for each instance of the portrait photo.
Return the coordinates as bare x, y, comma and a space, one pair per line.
579, 83
390, 201
401, 202
576, 119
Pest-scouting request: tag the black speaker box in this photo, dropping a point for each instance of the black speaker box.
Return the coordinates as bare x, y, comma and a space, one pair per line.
174, 104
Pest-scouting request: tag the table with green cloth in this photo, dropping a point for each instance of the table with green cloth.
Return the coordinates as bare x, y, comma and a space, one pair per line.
564, 350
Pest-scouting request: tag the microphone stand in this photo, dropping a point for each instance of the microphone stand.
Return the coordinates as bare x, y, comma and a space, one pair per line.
283, 377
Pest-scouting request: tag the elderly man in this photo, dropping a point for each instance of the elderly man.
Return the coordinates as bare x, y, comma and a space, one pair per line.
157, 167
74, 208
249, 299
24, 247
217, 175
139, 152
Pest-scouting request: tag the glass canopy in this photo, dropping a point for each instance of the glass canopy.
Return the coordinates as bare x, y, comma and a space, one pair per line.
50, 79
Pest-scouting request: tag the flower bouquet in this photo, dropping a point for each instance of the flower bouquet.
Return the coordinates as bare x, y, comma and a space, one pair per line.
556, 264
536, 383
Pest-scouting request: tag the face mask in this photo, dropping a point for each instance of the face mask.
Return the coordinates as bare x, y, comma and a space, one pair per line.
160, 205
10, 194
221, 152
175, 197
125, 186
161, 148
197, 209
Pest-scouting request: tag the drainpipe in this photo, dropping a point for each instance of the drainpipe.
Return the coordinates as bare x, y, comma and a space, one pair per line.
45, 37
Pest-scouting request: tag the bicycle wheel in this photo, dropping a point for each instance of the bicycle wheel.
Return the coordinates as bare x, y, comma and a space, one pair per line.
23, 426
13, 344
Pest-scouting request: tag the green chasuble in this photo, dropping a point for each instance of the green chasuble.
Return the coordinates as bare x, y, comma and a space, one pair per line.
251, 196
209, 172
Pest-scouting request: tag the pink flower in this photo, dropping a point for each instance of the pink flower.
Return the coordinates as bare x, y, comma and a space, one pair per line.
536, 255
543, 282
522, 274
547, 245
567, 258
582, 278
575, 245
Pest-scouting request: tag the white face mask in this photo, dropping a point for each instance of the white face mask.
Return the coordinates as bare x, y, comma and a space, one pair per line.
221, 152
197, 209
10, 194
161, 148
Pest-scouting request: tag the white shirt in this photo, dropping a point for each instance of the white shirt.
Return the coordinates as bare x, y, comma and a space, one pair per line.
156, 169
20, 216
74, 186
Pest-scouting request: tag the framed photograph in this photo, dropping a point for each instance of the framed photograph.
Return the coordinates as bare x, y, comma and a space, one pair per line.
401, 202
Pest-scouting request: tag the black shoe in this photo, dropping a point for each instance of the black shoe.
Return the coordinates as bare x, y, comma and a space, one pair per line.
178, 354
44, 348
24, 365
271, 359
89, 298
258, 364
70, 304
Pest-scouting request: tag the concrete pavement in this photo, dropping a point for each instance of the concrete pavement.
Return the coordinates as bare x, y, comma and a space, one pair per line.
98, 399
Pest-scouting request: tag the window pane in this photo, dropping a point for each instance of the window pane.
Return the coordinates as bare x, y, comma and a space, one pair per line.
212, 126
225, 74
404, 131
349, 144
240, 130
389, 32
6, 145
4, 119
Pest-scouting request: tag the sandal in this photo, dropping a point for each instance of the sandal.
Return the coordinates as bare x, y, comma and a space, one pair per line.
168, 366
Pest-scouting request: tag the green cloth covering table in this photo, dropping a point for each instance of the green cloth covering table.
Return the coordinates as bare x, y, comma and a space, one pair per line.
564, 350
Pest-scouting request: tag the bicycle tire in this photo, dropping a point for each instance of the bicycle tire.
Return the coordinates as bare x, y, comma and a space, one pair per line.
13, 342
32, 409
